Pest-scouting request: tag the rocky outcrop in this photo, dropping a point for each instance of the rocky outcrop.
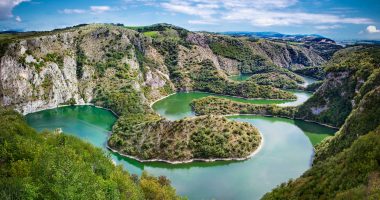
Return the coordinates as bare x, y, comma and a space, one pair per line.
287, 56
43, 72
351, 74
30, 90
47, 69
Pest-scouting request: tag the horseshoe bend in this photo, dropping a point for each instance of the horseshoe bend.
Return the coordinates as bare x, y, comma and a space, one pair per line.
100, 111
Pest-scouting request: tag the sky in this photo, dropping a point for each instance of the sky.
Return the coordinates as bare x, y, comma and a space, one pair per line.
339, 20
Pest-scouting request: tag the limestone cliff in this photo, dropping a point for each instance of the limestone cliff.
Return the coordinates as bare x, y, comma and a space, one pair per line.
92, 63
50, 69
351, 74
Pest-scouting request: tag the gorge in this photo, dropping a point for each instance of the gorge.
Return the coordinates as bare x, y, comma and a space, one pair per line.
177, 96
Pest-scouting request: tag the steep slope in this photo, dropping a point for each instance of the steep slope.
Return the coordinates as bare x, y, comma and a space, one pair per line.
125, 70
44, 69
116, 68
347, 165
363, 119
351, 74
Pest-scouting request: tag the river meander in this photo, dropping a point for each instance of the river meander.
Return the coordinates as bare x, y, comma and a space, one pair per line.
286, 153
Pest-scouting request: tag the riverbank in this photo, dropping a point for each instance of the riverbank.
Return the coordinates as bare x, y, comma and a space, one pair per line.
286, 117
257, 150
84, 104
194, 160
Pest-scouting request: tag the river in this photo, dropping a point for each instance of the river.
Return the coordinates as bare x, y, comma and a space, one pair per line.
286, 153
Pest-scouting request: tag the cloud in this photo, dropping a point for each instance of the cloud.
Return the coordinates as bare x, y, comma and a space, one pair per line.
92, 9
257, 3
72, 11
18, 19
372, 29
259, 17
6, 7
201, 10
99, 9
203, 22
327, 27
258, 13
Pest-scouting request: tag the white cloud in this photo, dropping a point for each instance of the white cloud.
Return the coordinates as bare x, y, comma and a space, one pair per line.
203, 22
372, 29
327, 27
72, 11
259, 17
258, 13
258, 3
92, 9
6, 7
99, 9
201, 10
18, 19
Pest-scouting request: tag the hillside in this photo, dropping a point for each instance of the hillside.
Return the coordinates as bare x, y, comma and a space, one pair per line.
220, 106
346, 165
125, 69
206, 137
48, 165
351, 74
41, 70
121, 69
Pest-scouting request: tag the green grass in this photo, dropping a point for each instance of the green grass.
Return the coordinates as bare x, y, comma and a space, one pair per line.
153, 34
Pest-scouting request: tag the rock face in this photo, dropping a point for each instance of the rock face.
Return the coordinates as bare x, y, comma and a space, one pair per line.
47, 69
30, 90
351, 74
287, 56
42, 72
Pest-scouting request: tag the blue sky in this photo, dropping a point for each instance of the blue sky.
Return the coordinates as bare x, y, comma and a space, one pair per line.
344, 19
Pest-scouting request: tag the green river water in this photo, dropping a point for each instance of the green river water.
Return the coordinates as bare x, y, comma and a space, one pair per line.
286, 152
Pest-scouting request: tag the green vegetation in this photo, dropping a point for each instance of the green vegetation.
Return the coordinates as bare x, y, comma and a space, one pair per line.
314, 72
56, 166
361, 120
205, 137
346, 166
152, 34
350, 174
350, 70
47, 85
210, 81
236, 49
279, 70
220, 106
81, 61
54, 58
274, 79
123, 100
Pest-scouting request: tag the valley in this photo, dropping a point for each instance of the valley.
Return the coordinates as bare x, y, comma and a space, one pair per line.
160, 99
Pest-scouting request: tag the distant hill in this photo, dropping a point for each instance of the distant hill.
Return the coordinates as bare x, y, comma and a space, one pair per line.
281, 36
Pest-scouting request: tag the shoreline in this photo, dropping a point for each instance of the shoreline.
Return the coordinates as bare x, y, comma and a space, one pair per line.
84, 104
155, 101
215, 94
286, 117
256, 151
240, 97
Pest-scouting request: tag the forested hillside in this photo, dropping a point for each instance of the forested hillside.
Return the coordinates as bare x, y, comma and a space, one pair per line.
127, 68
351, 74
49, 165
347, 165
